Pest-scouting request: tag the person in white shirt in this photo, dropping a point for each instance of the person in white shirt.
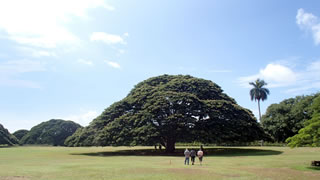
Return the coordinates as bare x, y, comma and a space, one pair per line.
200, 156
187, 156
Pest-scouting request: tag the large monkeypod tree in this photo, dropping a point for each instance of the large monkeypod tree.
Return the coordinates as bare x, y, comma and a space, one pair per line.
169, 109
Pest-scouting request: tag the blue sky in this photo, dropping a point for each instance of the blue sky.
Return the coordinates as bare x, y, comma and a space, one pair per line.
71, 59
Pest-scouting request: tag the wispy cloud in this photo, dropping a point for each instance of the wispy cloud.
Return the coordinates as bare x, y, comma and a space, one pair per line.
86, 62
84, 118
21, 66
42, 23
36, 52
280, 75
113, 64
309, 23
107, 38
121, 51
11, 69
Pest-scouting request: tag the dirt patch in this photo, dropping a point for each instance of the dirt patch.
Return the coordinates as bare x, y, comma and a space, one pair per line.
282, 173
14, 178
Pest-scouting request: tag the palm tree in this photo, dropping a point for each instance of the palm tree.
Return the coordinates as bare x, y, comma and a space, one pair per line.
258, 92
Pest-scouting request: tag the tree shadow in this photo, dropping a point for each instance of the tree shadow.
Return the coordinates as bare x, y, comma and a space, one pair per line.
224, 152
5, 146
314, 168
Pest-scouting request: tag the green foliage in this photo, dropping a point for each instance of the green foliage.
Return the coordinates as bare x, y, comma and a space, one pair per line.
6, 138
285, 119
231, 124
20, 133
166, 109
310, 134
82, 137
53, 132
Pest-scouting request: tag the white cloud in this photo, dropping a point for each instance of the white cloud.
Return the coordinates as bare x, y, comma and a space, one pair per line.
309, 22
279, 75
42, 23
276, 74
107, 38
86, 62
113, 64
11, 69
84, 119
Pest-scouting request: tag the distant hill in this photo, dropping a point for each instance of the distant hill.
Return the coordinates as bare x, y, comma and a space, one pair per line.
6, 138
52, 132
20, 133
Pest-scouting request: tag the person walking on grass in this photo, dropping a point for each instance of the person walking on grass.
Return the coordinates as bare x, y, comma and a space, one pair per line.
200, 156
187, 156
193, 155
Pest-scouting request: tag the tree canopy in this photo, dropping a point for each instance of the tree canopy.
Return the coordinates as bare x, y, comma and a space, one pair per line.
52, 132
169, 109
285, 119
310, 134
6, 138
20, 133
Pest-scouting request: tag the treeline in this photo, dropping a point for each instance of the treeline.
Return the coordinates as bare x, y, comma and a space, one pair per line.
294, 121
52, 132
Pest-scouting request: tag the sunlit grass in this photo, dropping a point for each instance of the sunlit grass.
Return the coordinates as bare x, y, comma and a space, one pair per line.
144, 163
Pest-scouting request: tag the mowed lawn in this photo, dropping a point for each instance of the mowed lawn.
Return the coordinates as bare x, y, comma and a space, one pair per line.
58, 163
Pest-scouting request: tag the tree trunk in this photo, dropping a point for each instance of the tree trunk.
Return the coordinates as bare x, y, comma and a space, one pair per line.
170, 146
259, 110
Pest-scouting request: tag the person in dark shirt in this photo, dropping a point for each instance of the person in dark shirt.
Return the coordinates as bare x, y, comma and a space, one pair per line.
193, 156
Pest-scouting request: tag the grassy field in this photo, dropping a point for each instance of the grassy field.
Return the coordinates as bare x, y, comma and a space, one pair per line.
58, 163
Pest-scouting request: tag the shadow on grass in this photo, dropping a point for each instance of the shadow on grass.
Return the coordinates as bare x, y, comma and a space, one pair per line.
227, 152
5, 146
314, 168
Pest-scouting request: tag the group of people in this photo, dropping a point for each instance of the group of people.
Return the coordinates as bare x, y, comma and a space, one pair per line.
193, 154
